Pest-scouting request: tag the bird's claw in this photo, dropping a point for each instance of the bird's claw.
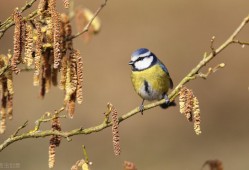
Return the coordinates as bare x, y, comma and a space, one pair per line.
141, 109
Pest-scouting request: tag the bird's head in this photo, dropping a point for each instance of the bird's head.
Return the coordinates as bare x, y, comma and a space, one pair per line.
142, 59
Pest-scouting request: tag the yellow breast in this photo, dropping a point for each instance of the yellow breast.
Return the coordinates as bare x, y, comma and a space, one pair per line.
157, 81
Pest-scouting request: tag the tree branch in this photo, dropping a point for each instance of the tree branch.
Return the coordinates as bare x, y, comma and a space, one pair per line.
86, 28
9, 21
193, 74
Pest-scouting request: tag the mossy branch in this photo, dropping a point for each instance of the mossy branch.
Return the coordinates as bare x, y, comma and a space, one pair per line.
193, 74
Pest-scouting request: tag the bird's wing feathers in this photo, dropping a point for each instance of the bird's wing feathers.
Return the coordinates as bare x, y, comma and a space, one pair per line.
166, 71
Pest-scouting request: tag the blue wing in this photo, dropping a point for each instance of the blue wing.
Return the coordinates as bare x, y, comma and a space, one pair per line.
167, 72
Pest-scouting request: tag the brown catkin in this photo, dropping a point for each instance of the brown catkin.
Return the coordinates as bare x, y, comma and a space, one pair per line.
197, 116
16, 58
23, 34
28, 58
56, 124
186, 102
63, 75
2, 120
49, 31
68, 90
38, 54
4, 92
71, 105
79, 95
73, 70
10, 82
55, 139
51, 156
56, 23
10, 106
66, 32
182, 99
115, 131
3, 108
189, 106
54, 142
57, 42
57, 39
10, 92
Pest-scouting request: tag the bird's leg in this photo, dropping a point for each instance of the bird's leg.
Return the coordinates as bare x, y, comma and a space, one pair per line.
141, 108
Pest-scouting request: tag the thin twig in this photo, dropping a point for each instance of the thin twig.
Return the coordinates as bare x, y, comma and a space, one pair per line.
24, 8
44, 119
212, 45
19, 128
86, 28
240, 42
10, 23
211, 70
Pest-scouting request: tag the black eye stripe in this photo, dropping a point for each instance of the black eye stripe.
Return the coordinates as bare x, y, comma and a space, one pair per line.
139, 59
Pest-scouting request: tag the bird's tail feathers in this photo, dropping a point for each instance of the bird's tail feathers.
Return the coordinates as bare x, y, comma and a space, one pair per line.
166, 105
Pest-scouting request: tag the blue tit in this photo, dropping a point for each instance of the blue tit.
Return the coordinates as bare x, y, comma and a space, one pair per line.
150, 77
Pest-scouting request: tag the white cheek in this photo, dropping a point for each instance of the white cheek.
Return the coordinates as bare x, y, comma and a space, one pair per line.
143, 64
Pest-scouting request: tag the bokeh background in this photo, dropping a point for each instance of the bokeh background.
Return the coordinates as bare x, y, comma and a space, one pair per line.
179, 33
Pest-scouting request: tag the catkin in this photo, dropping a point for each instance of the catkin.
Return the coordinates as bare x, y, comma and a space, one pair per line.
16, 58
38, 54
115, 131
79, 95
28, 58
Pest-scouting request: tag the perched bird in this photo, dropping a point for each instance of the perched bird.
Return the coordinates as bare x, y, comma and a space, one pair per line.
150, 77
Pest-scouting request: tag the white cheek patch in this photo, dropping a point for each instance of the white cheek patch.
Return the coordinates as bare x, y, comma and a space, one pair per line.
143, 64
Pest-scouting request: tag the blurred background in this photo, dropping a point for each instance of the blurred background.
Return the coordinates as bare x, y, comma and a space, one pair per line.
179, 33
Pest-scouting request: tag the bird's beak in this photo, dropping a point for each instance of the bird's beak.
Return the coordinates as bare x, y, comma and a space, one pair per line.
131, 62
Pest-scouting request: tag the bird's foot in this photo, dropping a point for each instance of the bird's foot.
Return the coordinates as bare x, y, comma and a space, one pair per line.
167, 102
141, 109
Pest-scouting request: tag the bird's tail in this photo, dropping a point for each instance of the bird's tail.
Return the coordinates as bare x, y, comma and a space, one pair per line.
166, 105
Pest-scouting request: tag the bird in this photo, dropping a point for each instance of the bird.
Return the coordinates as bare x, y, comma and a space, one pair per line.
150, 77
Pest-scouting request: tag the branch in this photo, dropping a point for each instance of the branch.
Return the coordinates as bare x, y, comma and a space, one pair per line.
211, 70
193, 74
240, 43
9, 21
86, 28
20, 128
